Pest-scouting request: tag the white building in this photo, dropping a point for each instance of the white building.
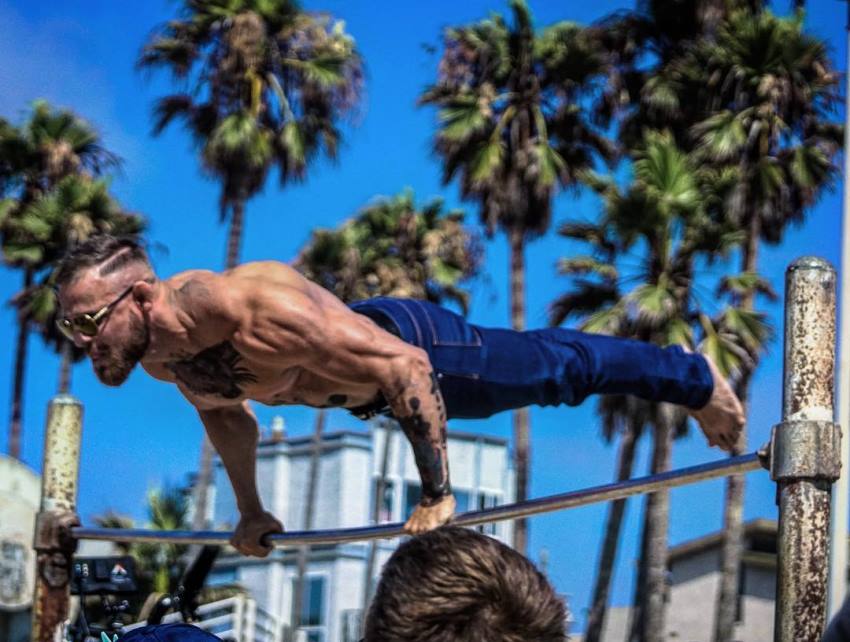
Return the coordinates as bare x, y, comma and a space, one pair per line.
694, 579
349, 466
20, 491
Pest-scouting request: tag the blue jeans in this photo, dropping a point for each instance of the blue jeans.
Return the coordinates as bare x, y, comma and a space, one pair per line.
482, 371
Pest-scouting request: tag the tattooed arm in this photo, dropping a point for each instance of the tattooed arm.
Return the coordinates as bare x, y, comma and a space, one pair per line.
418, 406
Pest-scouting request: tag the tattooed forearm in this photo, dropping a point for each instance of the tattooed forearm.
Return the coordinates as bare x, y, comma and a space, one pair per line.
423, 419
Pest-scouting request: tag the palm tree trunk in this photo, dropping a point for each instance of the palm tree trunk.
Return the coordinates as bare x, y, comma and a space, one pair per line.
380, 485
202, 485
658, 517
638, 612
608, 556
733, 509
309, 505
17, 413
65, 368
234, 240
521, 423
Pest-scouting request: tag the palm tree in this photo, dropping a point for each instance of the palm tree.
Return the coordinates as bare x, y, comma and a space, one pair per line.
770, 91
661, 221
49, 146
641, 47
394, 248
76, 208
158, 566
510, 128
263, 84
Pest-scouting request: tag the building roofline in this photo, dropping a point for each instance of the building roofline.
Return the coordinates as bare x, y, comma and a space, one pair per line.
760, 526
338, 435
20, 465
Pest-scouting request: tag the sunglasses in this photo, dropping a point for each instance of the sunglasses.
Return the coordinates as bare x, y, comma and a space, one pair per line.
88, 325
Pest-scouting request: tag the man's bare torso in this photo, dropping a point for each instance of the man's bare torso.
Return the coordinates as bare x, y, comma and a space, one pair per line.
214, 361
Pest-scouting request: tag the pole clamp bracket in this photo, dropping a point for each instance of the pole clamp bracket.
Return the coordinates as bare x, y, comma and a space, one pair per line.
805, 449
55, 546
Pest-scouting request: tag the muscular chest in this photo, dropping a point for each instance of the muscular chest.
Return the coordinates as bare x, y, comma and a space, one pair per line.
220, 372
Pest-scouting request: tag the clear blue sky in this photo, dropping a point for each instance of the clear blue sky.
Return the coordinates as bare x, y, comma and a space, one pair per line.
81, 55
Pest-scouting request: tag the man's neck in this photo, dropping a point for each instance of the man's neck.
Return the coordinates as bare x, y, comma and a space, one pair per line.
170, 322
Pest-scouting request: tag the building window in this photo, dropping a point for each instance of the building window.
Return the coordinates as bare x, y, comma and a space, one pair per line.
312, 620
385, 509
462, 498
13, 568
413, 493
487, 500
352, 622
312, 608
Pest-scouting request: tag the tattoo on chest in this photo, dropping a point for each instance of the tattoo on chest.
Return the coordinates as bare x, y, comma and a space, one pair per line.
215, 371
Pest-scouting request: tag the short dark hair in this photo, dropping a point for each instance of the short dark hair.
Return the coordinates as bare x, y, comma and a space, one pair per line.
454, 584
96, 250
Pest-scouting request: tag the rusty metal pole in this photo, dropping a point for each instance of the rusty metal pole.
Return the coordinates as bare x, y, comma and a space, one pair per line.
54, 544
805, 449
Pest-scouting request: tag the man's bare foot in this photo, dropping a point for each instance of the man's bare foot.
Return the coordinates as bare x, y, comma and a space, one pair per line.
426, 518
722, 418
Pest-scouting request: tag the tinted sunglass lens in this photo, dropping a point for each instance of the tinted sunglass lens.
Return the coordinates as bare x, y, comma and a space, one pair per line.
86, 326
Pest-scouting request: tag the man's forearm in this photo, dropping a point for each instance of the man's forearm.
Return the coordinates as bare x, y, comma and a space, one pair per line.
234, 434
421, 412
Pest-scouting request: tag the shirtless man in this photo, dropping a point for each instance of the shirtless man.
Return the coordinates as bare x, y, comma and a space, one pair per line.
262, 332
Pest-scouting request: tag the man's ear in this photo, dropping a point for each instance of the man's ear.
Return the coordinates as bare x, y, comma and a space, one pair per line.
143, 292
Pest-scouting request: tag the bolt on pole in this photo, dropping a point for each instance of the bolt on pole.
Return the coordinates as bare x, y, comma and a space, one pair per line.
805, 449
54, 544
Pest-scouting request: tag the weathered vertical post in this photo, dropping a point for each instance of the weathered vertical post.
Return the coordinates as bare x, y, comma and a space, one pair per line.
53, 544
805, 451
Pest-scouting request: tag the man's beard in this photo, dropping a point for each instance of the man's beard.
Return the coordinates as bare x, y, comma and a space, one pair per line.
114, 368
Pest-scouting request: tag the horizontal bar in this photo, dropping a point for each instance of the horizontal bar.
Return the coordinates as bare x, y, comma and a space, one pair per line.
572, 499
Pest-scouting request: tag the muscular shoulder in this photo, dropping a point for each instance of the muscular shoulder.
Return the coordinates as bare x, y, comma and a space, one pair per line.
267, 273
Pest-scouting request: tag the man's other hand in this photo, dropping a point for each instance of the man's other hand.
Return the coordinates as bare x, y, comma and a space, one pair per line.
249, 533
426, 518
722, 418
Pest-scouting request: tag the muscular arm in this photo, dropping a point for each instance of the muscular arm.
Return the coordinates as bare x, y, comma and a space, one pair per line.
420, 411
337, 344
234, 433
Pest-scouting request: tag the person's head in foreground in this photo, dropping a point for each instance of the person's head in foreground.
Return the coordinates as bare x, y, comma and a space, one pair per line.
456, 585
104, 285
177, 632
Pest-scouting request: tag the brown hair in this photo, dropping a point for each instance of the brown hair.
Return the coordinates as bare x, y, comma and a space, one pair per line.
99, 249
453, 584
